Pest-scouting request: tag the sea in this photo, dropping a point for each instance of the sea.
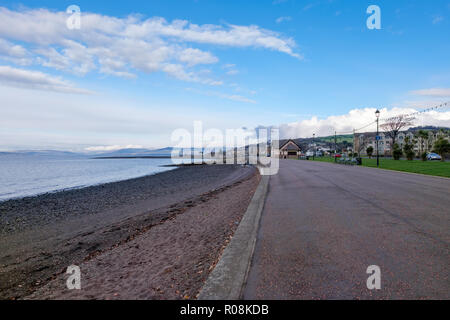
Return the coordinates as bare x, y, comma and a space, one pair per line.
30, 175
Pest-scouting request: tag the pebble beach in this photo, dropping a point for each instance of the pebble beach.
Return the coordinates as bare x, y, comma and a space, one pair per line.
154, 237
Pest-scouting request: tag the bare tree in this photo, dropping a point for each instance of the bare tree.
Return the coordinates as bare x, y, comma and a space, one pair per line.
361, 142
393, 126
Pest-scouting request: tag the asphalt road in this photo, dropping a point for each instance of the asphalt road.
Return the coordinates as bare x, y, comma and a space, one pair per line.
323, 224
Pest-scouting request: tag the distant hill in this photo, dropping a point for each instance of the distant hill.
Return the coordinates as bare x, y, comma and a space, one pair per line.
343, 141
339, 138
164, 152
427, 128
42, 153
125, 153
122, 153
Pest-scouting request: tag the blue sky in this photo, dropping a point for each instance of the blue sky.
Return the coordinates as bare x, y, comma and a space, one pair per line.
311, 60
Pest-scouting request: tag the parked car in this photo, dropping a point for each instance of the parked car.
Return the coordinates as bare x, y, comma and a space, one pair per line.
310, 153
337, 155
433, 156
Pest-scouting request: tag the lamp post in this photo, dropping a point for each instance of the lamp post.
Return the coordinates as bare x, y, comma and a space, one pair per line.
335, 146
314, 146
377, 114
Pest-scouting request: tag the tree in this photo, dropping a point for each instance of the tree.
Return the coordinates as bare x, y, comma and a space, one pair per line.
393, 126
369, 151
360, 143
345, 144
422, 138
441, 147
396, 152
408, 149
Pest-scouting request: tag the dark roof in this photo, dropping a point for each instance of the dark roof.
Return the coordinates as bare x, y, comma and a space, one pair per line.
290, 146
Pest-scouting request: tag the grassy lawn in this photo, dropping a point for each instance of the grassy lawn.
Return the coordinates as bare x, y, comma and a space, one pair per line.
433, 168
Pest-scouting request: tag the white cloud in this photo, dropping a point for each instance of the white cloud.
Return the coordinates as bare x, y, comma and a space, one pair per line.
437, 19
10, 49
433, 92
194, 56
232, 97
275, 2
310, 5
177, 71
239, 98
232, 72
124, 46
232, 35
231, 69
82, 121
283, 19
113, 148
14, 53
355, 119
28, 79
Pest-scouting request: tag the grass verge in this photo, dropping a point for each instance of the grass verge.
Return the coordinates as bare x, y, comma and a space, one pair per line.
432, 168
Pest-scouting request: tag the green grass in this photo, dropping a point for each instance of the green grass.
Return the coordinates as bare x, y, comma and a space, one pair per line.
433, 168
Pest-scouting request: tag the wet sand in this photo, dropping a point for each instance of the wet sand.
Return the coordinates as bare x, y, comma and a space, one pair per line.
180, 219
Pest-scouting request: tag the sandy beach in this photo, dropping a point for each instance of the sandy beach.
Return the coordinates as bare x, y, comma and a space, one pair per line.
155, 237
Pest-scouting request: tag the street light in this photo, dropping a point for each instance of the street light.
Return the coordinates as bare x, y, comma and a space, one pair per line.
377, 114
335, 147
314, 146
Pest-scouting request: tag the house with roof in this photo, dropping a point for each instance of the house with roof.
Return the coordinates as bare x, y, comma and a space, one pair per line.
364, 140
290, 150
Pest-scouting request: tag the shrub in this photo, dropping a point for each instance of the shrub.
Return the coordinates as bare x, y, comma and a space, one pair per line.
408, 149
369, 151
441, 147
397, 153
423, 156
410, 155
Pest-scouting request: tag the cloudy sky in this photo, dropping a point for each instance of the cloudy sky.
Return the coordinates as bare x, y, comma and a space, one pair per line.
134, 72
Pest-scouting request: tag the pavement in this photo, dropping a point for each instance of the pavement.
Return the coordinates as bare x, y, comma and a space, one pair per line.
226, 281
324, 224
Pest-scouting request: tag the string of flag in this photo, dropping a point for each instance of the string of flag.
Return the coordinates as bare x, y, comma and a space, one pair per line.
404, 116
359, 129
411, 115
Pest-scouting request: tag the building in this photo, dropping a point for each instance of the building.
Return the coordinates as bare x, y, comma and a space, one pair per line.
368, 139
421, 144
290, 150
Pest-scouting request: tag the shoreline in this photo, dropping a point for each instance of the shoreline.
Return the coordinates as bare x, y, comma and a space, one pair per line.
45, 234
16, 198
134, 157
170, 166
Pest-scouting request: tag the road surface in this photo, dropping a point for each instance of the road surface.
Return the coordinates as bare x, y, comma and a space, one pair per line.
323, 224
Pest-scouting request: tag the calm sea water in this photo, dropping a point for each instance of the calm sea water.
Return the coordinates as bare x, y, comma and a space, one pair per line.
24, 175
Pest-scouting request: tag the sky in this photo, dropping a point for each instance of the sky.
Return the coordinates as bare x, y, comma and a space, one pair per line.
135, 71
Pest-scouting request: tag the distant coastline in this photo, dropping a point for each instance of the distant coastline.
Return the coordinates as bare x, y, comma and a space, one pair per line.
29, 175
134, 157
